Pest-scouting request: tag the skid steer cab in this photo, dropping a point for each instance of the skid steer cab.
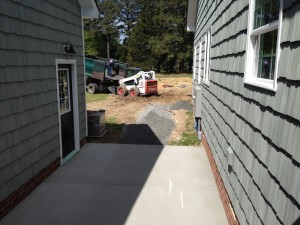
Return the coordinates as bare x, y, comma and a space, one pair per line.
143, 83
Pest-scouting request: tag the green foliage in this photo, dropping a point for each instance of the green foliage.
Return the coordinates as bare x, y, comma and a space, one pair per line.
112, 119
114, 130
173, 75
96, 97
130, 10
159, 40
153, 32
140, 53
105, 27
95, 43
109, 17
189, 136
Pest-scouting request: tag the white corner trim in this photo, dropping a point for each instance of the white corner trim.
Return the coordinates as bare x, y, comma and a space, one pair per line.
84, 80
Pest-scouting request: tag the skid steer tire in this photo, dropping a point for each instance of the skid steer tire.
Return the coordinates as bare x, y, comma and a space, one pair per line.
134, 92
92, 88
122, 90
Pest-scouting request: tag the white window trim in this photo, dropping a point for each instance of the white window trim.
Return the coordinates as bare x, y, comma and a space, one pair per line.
195, 61
206, 70
204, 58
199, 62
250, 65
69, 106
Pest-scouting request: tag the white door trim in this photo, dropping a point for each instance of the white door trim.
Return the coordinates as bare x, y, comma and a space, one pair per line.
72, 63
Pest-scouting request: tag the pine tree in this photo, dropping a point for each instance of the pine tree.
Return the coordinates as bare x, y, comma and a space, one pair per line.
130, 10
159, 39
139, 47
108, 22
154, 33
171, 43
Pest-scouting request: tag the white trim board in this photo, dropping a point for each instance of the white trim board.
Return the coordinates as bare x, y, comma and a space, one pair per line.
72, 63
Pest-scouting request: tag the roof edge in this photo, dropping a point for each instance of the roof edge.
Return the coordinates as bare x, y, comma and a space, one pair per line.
89, 8
191, 15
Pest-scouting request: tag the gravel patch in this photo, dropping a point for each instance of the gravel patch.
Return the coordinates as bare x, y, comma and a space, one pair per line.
161, 126
181, 105
154, 126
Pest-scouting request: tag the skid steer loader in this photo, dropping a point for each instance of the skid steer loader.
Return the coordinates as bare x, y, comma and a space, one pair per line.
143, 83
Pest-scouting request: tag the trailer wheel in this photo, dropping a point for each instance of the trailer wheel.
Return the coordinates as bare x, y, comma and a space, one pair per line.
134, 92
122, 90
92, 88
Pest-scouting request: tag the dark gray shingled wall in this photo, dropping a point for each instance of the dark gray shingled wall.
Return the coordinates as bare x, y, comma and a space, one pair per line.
262, 127
32, 34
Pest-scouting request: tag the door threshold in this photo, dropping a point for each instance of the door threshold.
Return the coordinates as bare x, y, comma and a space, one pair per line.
68, 157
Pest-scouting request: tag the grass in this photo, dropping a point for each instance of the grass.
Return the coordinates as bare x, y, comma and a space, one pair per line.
189, 136
96, 97
114, 131
173, 75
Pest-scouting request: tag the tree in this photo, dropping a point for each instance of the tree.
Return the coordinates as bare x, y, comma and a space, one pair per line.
95, 41
139, 48
171, 44
154, 33
108, 22
130, 10
160, 40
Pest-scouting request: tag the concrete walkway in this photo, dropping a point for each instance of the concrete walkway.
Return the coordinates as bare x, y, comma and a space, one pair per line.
113, 184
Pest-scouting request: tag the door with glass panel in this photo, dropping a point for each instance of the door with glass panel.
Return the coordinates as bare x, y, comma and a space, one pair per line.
66, 109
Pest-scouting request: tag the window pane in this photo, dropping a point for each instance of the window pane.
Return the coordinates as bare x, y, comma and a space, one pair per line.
63, 85
267, 55
266, 12
265, 67
267, 43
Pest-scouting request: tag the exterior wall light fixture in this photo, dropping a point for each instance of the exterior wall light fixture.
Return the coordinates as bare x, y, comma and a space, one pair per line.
68, 48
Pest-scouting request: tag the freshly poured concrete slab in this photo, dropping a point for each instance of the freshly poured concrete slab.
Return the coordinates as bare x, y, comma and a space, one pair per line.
115, 184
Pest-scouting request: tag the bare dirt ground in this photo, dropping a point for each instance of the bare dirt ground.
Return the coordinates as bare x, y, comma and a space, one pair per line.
126, 110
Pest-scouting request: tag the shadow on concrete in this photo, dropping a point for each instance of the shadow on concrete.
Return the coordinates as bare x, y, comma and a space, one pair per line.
100, 185
139, 134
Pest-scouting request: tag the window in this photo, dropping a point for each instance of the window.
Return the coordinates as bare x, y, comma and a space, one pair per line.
64, 91
206, 68
199, 62
263, 43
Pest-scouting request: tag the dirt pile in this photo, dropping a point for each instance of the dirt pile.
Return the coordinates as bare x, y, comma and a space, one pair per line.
152, 119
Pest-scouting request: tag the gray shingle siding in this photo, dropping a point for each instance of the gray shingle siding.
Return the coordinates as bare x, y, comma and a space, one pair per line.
261, 127
32, 34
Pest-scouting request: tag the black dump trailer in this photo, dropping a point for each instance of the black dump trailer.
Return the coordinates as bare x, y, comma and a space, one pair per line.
103, 75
